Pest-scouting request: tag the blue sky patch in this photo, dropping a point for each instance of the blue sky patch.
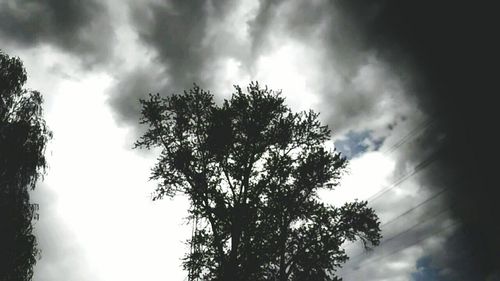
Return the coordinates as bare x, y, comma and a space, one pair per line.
425, 270
355, 143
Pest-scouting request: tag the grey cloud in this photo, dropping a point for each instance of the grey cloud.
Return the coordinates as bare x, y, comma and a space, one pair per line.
359, 107
322, 19
413, 230
307, 21
78, 27
453, 260
262, 24
133, 86
344, 104
181, 36
177, 32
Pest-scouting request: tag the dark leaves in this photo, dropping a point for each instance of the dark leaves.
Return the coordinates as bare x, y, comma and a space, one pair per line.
23, 139
252, 168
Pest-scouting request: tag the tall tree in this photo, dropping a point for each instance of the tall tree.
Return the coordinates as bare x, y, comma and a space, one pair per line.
23, 138
252, 168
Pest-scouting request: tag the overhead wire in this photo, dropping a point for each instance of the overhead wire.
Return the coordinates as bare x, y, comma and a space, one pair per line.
421, 128
417, 169
408, 211
414, 132
413, 226
432, 234
419, 205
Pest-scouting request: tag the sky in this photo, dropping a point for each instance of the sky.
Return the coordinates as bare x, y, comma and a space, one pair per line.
407, 89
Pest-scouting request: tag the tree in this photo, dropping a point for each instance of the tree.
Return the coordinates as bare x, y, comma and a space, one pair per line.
251, 169
23, 138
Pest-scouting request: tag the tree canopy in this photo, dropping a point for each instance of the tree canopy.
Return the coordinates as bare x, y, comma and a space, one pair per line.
252, 169
23, 138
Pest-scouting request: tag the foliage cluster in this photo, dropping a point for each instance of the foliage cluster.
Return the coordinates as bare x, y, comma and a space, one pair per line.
23, 139
252, 169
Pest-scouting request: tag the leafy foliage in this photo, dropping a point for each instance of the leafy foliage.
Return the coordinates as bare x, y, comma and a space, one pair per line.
252, 168
23, 138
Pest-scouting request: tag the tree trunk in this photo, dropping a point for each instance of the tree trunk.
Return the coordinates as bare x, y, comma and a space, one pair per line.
231, 267
282, 249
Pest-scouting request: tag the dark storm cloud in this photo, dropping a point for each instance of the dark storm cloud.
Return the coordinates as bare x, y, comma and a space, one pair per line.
345, 62
78, 27
302, 20
132, 87
261, 25
187, 43
177, 30
449, 46
176, 33
456, 253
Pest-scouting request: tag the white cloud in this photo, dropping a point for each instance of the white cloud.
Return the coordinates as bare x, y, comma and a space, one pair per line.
103, 205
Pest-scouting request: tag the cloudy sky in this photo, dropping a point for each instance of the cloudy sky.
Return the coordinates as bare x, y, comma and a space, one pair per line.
406, 89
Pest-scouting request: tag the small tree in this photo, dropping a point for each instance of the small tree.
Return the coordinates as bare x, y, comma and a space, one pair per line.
23, 138
251, 169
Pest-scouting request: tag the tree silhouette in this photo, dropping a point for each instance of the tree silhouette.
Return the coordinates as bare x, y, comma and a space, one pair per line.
251, 169
23, 137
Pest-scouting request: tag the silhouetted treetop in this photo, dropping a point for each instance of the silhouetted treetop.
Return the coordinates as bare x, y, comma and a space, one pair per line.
23, 132
23, 138
252, 168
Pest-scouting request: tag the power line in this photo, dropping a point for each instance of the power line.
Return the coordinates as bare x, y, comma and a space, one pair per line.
417, 130
437, 194
420, 222
415, 226
419, 205
422, 127
418, 168
404, 248
414, 132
